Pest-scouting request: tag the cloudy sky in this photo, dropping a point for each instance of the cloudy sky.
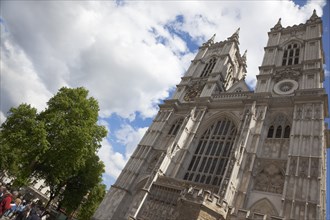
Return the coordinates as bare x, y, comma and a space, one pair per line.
128, 54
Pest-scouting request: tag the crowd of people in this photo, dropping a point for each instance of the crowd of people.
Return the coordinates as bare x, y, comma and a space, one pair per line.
14, 207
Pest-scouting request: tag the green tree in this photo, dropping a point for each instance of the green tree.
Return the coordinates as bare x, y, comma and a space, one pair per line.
93, 200
78, 186
55, 145
73, 136
23, 142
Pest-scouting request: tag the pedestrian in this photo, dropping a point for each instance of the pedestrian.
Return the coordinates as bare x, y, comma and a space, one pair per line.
33, 215
5, 203
14, 206
2, 189
24, 214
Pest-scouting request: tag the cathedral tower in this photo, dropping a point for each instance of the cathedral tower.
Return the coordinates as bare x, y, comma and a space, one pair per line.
217, 150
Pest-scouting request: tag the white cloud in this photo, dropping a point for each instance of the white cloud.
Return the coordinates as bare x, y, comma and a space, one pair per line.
19, 80
114, 161
114, 52
104, 123
129, 137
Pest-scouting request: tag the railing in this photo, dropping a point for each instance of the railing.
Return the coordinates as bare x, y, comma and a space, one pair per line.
232, 95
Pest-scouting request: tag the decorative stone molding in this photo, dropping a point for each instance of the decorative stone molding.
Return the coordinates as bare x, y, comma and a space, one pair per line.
269, 176
285, 87
193, 91
287, 73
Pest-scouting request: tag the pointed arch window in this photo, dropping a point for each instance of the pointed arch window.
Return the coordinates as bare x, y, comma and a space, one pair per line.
291, 54
175, 127
209, 67
278, 132
212, 153
287, 132
270, 132
279, 128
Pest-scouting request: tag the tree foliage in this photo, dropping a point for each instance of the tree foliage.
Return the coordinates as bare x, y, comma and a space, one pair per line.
58, 145
92, 201
79, 186
23, 143
73, 134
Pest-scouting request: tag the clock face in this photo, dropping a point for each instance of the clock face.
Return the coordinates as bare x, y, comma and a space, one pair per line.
190, 95
285, 87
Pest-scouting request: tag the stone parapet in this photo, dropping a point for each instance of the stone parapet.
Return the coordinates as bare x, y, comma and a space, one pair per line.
206, 205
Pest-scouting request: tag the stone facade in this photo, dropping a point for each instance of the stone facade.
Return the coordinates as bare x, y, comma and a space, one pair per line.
217, 150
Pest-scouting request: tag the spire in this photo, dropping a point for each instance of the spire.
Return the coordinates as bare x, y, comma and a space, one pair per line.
210, 41
235, 36
277, 26
244, 56
314, 16
237, 31
212, 38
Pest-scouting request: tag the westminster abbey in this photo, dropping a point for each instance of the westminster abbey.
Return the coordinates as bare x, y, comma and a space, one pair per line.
217, 150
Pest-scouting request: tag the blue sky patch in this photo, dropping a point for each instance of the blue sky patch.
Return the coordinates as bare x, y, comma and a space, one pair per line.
175, 28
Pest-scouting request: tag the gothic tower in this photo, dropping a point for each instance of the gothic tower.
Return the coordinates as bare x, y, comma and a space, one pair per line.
217, 150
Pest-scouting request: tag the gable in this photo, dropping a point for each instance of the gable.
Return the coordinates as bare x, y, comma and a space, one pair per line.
239, 86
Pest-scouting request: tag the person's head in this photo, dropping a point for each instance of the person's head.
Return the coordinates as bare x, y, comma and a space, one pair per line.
18, 201
2, 189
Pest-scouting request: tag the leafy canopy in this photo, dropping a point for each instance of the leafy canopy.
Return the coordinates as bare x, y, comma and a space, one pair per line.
58, 145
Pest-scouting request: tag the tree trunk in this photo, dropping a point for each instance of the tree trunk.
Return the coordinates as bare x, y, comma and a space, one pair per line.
52, 196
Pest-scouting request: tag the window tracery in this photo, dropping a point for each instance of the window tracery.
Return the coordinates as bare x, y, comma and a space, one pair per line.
291, 55
279, 128
175, 127
209, 67
212, 153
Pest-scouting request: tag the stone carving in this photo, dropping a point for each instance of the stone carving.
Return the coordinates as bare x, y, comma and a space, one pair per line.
193, 91
260, 114
270, 179
287, 73
160, 204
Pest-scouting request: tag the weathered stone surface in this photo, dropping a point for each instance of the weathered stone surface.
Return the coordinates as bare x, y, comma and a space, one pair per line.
219, 151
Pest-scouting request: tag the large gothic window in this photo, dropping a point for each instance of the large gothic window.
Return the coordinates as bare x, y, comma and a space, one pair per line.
291, 55
209, 67
212, 153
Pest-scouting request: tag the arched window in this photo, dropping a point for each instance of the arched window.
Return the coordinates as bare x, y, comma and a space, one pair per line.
291, 55
209, 67
287, 132
279, 128
175, 127
228, 77
239, 89
278, 132
270, 132
212, 153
